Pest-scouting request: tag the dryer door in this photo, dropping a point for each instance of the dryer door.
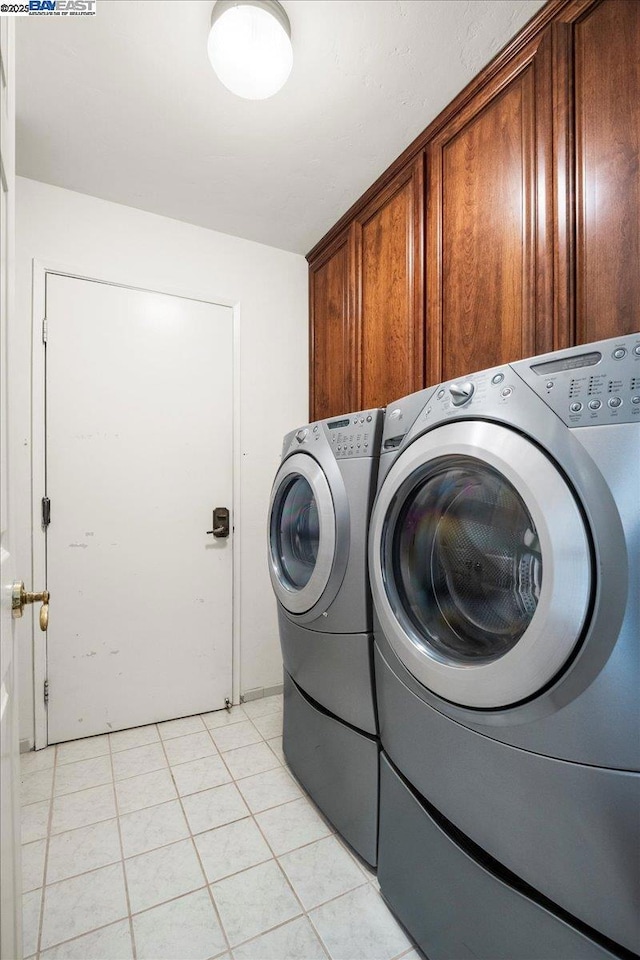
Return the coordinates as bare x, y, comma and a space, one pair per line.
305, 549
480, 564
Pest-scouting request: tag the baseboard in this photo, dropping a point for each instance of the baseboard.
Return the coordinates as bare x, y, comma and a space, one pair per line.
259, 692
26, 746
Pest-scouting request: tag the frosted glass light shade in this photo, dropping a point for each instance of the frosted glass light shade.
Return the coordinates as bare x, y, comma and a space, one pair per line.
250, 47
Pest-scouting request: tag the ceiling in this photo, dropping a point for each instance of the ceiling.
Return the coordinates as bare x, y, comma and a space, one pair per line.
125, 106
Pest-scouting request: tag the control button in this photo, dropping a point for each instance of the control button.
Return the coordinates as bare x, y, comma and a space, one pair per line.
315, 429
461, 392
595, 404
636, 350
549, 384
339, 448
576, 407
497, 378
366, 444
615, 402
619, 353
369, 418
635, 400
396, 414
440, 394
301, 435
506, 392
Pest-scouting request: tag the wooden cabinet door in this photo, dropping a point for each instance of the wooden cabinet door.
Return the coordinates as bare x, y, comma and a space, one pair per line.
607, 138
332, 341
489, 223
390, 267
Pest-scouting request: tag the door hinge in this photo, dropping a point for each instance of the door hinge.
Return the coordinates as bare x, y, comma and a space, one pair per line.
46, 512
46, 691
45, 330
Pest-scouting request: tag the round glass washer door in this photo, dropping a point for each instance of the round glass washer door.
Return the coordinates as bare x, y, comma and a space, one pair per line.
302, 534
480, 564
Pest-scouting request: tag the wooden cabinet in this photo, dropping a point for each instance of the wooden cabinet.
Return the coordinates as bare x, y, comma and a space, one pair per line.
529, 239
389, 262
607, 139
332, 342
366, 294
489, 261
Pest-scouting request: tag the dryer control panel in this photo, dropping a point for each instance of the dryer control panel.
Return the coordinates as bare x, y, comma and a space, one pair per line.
352, 435
589, 386
355, 435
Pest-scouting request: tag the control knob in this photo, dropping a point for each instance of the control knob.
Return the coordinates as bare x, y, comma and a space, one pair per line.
461, 392
301, 435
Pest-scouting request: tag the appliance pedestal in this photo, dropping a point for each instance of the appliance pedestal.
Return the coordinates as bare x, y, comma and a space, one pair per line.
453, 904
337, 765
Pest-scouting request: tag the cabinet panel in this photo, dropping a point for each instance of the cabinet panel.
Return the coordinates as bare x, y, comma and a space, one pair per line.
607, 103
332, 358
389, 254
490, 253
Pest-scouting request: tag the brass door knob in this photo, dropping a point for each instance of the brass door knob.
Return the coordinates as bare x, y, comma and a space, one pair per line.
20, 597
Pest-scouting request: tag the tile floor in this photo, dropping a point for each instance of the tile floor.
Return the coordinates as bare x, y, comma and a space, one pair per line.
190, 840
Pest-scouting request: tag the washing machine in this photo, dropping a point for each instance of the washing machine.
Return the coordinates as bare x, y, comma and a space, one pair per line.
505, 570
318, 527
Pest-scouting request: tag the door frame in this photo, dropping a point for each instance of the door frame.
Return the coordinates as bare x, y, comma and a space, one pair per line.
40, 270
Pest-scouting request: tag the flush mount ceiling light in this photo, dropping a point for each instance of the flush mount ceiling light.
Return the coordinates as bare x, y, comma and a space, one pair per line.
250, 46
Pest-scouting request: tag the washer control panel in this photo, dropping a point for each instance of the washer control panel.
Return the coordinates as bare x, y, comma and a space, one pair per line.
592, 385
478, 393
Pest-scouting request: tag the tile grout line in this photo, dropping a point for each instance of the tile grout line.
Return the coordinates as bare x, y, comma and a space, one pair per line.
112, 923
79, 936
46, 854
134, 951
366, 879
194, 793
195, 848
280, 867
274, 858
207, 882
277, 860
152, 743
252, 816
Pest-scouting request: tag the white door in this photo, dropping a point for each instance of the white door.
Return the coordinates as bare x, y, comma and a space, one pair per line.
138, 453
10, 883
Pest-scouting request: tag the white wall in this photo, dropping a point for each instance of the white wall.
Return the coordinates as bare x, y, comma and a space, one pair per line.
94, 236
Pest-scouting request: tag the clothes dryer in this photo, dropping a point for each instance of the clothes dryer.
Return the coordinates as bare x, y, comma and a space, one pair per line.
504, 561
318, 527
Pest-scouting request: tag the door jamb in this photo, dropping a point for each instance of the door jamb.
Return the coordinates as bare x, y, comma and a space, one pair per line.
40, 269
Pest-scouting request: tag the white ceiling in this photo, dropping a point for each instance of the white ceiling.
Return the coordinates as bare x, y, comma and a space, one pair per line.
125, 106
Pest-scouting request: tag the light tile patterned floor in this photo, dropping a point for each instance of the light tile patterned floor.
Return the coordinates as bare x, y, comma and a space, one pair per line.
190, 840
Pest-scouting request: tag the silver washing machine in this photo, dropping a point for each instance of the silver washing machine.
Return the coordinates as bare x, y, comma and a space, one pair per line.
318, 527
505, 570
